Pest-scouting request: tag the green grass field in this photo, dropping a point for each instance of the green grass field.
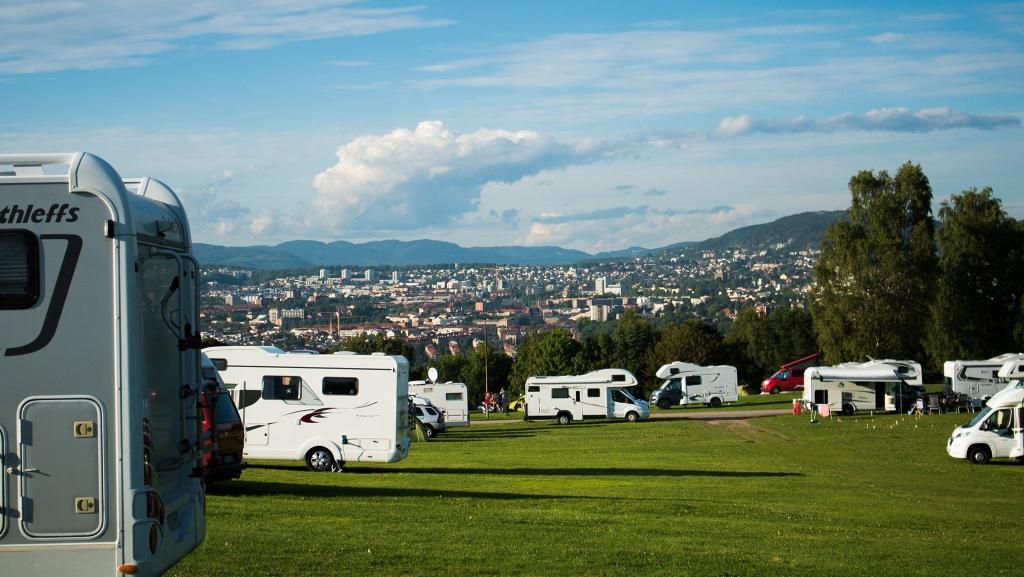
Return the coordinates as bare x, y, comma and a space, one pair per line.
764, 496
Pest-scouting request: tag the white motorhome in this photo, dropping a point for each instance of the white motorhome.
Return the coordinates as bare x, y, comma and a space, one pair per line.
879, 385
325, 410
602, 394
997, 431
976, 379
451, 398
99, 431
690, 384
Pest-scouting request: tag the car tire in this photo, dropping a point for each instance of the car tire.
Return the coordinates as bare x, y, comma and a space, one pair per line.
775, 390
429, 432
979, 454
715, 402
321, 460
632, 416
564, 418
847, 409
664, 404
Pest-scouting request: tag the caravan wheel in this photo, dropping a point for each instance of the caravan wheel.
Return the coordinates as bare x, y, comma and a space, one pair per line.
564, 418
664, 404
320, 459
716, 402
632, 417
979, 454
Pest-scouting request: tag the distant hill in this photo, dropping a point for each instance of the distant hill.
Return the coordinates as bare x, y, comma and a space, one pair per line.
798, 231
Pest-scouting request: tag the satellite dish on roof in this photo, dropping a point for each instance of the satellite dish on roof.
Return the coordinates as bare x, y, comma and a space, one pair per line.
432, 374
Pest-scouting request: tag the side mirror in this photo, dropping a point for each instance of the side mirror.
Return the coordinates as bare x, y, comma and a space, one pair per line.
983, 427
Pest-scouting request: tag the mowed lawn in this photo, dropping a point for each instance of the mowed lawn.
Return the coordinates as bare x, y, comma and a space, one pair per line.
764, 496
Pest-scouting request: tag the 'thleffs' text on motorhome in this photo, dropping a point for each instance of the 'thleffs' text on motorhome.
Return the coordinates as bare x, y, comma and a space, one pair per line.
323, 409
690, 384
977, 379
600, 394
877, 385
997, 431
100, 440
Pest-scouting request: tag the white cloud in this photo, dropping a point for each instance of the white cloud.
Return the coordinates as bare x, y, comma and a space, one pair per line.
430, 175
39, 36
898, 119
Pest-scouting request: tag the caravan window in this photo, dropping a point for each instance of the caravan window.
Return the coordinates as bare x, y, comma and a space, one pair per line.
220, 364
348, 386
282, 388
618, 378
246, 397
692, 379
560, 393
593, 393
19, 269
533, 389
453, 396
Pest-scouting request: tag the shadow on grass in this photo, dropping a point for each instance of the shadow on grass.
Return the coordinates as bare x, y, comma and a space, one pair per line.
243, 488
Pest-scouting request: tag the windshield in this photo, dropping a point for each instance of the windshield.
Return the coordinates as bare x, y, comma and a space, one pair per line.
978, 418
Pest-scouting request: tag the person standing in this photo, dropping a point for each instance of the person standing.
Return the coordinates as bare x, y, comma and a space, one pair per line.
503, 399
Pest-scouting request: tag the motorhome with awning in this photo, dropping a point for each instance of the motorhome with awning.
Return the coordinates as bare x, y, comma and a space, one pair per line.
877, 385
101, 446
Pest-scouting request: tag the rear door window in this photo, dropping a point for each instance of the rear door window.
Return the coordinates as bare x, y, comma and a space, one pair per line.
19, 269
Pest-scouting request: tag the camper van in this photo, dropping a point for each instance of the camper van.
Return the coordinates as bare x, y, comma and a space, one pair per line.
690, 384
976, 379
876, 385
100, 440
996, 432
600, 394
451, 398
789, 377
326, 410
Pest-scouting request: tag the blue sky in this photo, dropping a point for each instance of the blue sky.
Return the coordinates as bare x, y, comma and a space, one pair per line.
592, 125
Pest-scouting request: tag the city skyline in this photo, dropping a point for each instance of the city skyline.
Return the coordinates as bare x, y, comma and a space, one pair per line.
591, 126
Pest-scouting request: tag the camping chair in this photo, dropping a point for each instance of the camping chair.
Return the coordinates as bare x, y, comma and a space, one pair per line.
976, 405
933, 403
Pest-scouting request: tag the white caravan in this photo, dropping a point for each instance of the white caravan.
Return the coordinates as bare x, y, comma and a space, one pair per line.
325, 410
977, 379
690, 384
99, 429
451, 398
879, 385
997, 431
596, 395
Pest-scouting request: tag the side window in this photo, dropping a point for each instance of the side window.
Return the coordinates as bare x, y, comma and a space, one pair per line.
346, 386
592, 393
675, 386
282, 388
453, 396
430, 411
533, 389
559, 393
220, 364
619, 397
618, 377
19, 269
692, 379
999, 420
417, 411
783, 375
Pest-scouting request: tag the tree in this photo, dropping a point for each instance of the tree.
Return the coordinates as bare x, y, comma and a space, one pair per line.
759, 345
981, 265
498, 366
551, 353
631, 344
693, 341
873, 279
366, 343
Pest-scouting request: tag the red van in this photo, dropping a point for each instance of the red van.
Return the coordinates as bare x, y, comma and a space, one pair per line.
221, 425
789, 377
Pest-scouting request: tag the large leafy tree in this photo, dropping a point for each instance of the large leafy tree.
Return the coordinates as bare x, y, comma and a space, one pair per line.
693, 341
631, 342
979, 289
873, 281
759, 345
547, 353
498, 366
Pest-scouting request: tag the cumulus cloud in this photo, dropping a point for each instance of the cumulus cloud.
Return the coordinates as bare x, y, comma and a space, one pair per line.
432, 174
48, 36
880, 119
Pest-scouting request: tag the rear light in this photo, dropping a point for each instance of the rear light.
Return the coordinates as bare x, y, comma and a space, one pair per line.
127, 568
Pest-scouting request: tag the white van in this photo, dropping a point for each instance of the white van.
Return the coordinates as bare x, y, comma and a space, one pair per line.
689, 384
100, 445
996, 432
451, 398
877, 385
325, 410
602, 394
976, 379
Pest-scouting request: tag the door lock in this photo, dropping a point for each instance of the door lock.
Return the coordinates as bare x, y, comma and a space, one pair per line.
84, 429
85, 505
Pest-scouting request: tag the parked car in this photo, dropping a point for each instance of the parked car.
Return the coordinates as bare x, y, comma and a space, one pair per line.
429, 416
789, 377
222, 423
